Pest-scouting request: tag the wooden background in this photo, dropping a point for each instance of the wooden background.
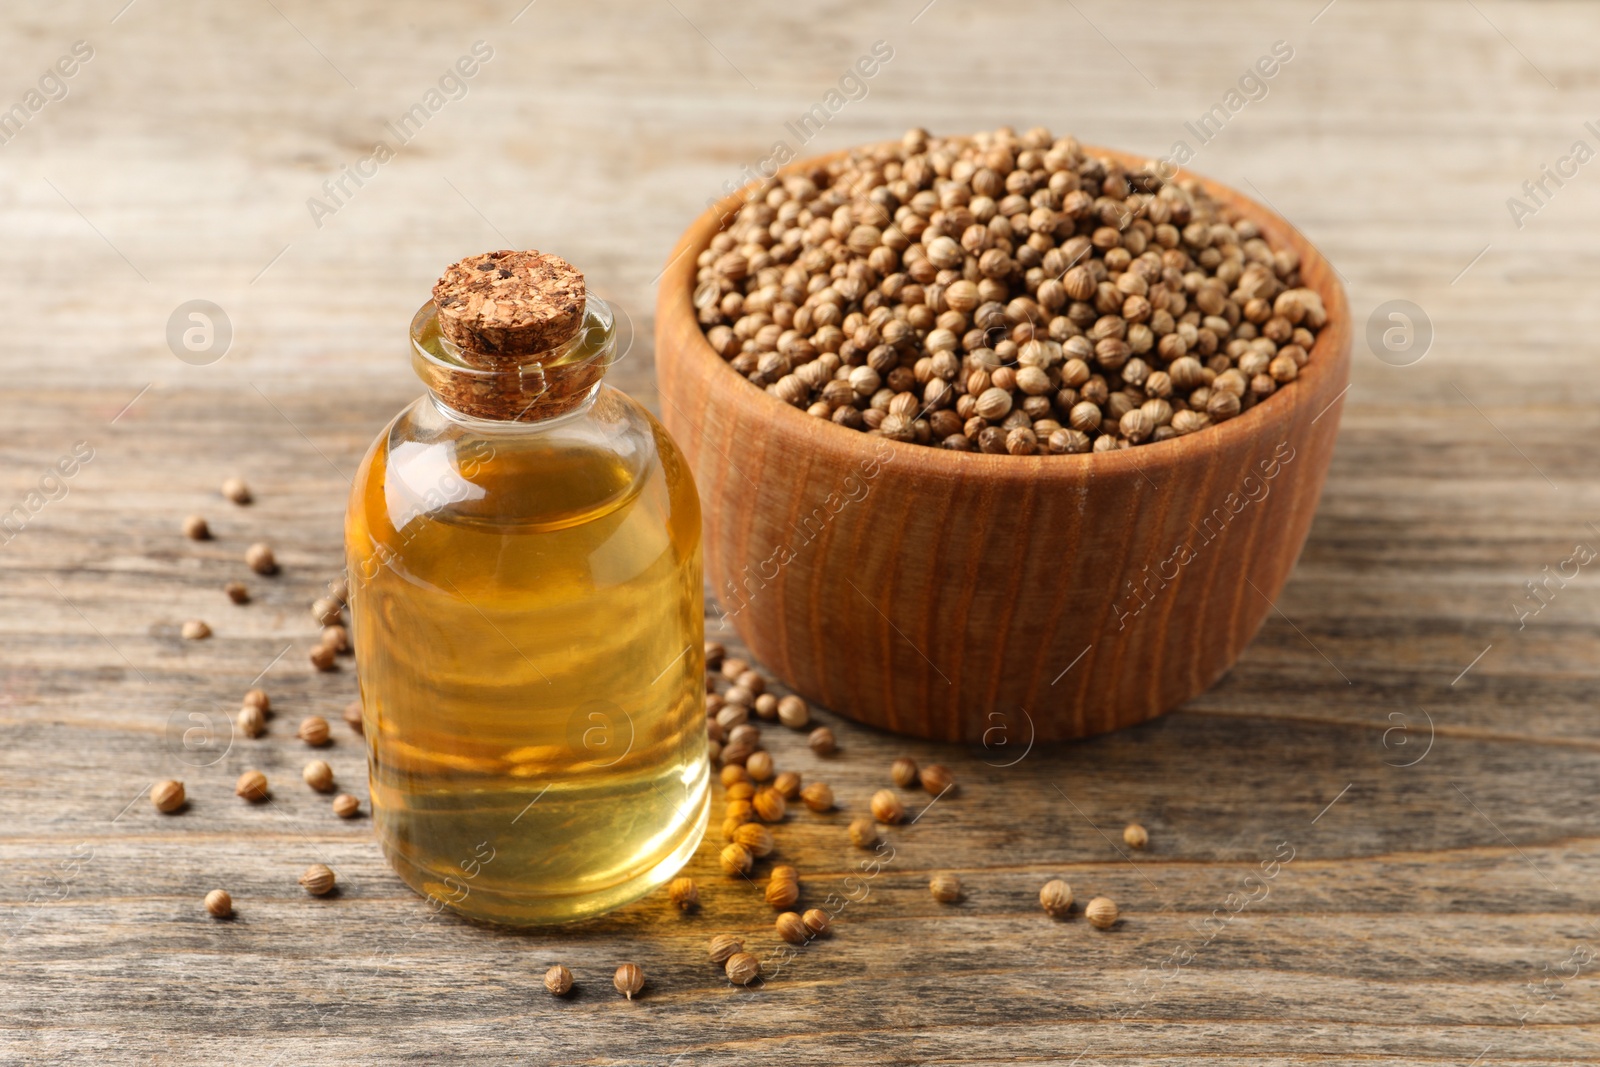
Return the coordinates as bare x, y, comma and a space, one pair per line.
1431, 765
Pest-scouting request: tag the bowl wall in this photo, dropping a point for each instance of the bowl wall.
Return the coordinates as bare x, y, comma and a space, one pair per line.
996, 599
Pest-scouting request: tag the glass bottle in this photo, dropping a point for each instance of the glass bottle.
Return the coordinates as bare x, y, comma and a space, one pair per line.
526, 603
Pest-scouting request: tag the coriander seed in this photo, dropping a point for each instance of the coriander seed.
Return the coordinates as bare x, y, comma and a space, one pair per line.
323, 657
787, 785
886, 807
235, 490
195, 528
1135, 836
352, 716
346, 806
732, 774
326, 610
754, 837
759, 765
818, 796
792, 928
313, 730
736, 859
167, 796
684, 894
816, 921
714, 655
946, 888
196, 630
725, 945
1056, 898
318, 880
237, 592
904, 772
337, 638
793, 713
742, 968
782, 892
259, 558
558, 980
318, 775
766, 707
770, 805
251, 785
257, 698
822, 742
629, 979
1101, 913
863, 832
219, 904
250, 721
937, 779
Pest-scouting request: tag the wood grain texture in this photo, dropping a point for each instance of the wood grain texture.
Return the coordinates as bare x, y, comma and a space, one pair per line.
1436, 913
928, 592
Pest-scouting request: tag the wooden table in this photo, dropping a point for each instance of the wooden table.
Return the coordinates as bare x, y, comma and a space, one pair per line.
1429, 763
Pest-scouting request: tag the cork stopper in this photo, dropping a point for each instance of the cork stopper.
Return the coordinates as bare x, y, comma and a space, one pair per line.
500, 308
512, 337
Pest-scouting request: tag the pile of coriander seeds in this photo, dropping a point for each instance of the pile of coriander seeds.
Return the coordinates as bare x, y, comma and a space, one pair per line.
1003, 293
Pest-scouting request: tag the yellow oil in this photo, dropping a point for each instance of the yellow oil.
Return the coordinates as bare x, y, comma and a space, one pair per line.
528, 623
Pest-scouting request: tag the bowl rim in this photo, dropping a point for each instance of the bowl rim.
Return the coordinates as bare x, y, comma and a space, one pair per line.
675, 307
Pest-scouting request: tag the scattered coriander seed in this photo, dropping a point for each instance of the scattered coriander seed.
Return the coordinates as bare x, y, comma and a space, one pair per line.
259, 558
167, 796
251, 785
196, 630
732, 774
736, 859
339, 589
793, 713
886, 807
337, 638
731, 715
323, 657
684, 894
1101, 913
752, 681
251, 721
235, 490
740, 812
759, 765
741, 696
784, 872
756, 838
346, 806
787, 784
946, 888
863, 832
257, 698
740, 791
237, 592
816, 921
318, 775
766, 707
558, 980
822, 741
1056, 898
219, 904
818, 796
352, 716
937, 779
313, 730
195, 528
733, 666
725, 945
325, 610
782, 892
742, 968
714, 655
318, 880
1135, 836
792, 928
629, 979
770, 805
903, 772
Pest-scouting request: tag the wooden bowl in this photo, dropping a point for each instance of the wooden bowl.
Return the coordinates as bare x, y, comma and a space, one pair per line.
982, 598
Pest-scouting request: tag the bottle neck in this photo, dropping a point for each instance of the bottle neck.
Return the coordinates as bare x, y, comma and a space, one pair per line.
527, 389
